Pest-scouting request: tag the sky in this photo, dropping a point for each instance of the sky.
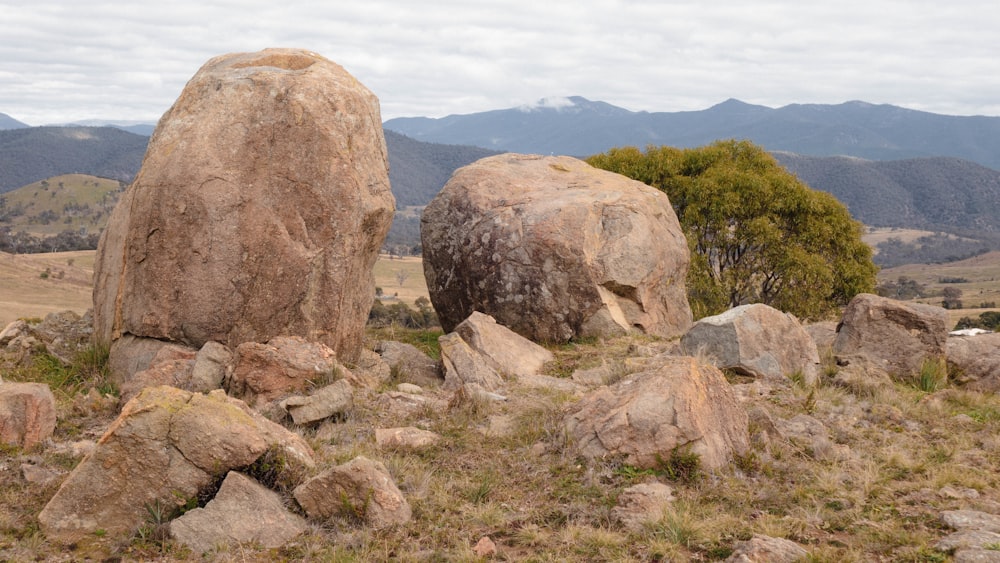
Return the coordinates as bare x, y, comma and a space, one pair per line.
71, 60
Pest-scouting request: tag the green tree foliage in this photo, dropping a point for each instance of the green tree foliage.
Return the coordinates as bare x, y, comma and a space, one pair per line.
757, 233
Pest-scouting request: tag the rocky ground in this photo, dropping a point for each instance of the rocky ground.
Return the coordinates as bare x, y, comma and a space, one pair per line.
854, 467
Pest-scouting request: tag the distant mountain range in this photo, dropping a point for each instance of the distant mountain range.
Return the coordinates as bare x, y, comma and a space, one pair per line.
8, 122
581, 127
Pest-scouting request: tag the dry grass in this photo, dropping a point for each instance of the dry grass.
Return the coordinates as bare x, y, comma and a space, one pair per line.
26, 293
506, 470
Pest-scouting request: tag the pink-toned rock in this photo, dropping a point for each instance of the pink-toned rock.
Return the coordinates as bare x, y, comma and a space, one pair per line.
485, 548
259, 210
406, 437
765, 549
264, 372
975, 361
756, 340
641, 504
360, 488
894, 336
553, 248
679, 404
27, 414
507, 352
166, 446
243, 511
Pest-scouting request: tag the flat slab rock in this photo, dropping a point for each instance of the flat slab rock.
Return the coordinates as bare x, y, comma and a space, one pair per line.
243, 511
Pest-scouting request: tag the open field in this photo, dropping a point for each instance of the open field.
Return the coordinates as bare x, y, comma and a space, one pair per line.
983, 285
25, 293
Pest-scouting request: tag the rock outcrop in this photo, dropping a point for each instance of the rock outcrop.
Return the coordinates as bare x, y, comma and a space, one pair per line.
894, 336
755, 340
165, 447
679, 404
975, 361
259, 210
265, 371
553, 248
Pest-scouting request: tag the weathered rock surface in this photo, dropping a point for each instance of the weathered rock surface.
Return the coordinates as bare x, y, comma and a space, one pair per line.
286, 364
209, 369
823, 334
172, 366
243, 511
507, 352
891, 335
407, 437
27, 414
975, 361
334, 399
678, 404
971, 520
164, 448
765, 549
553, 248
756, 340
258, 212
61, 334
464, 366
361, 488
411, 365
641, 504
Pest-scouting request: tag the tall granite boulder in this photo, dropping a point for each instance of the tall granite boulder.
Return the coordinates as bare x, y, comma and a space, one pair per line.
756, 340
553, 248
894, 336
259, 210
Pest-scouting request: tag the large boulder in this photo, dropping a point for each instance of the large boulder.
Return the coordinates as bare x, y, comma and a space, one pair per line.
975, 360
27, 414
894, 336
554, 249
679, 404
756, 340
259, 211
165, 447
265, 371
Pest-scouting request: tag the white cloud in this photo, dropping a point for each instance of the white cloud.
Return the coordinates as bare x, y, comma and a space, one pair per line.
63, 60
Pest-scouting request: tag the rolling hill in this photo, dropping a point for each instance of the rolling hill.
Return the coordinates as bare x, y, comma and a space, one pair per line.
583, 127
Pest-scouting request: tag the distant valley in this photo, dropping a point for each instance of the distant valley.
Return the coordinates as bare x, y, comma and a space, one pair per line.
919, 188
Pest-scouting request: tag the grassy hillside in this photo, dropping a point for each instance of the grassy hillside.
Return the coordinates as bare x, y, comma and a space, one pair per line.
75, 202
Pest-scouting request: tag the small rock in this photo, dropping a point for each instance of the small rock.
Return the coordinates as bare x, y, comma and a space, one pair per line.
642, 503
762, 548
410, 388
408, 437
360, 488
38, 475
592, 376
329, 401
966, 539
977, 556
27, 414
971, 520
958, 492
485, 548
243, 511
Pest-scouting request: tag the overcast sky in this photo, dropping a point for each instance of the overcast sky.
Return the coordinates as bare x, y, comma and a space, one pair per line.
69, 60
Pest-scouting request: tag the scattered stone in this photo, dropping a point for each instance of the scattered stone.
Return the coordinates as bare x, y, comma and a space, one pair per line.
557, 384
974, 361
171, 366
38, 475
966, 539
243, 511
977, 556
971, 520
894, 336
507, 352
408, 437
593, 377
641, 504
332, 400
464, 366
957, 493
132, 354
812, 435
402, 405
485, 548
368, 372
360, 488
553, 248
65, 334
679, 405
285, 364
12, 331
27, 414
209, 369
410, 388
261, 205
165, 447
755, 340
409, 363
765, 549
